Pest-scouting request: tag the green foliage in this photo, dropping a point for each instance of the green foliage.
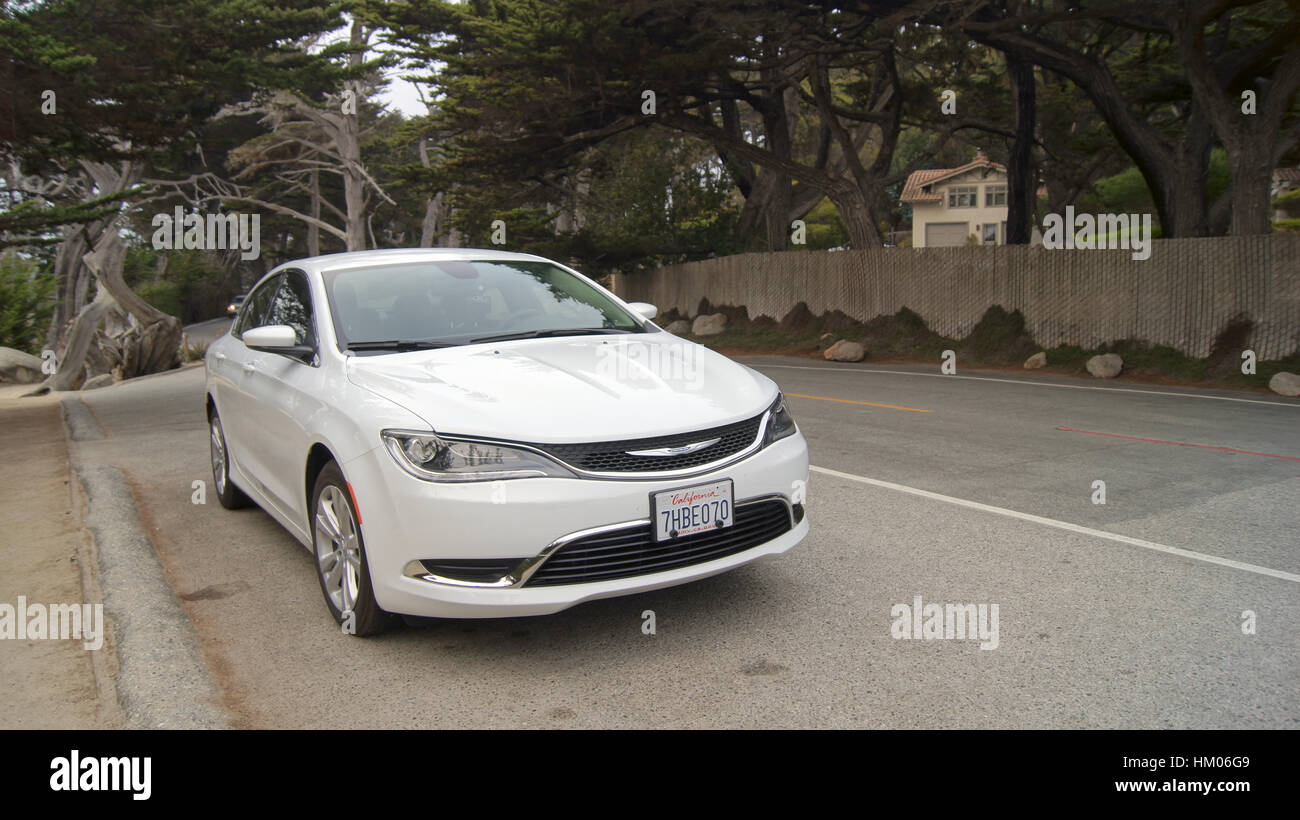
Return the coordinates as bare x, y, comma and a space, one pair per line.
134, 76
1289, 205
654, 198
527, 229
1127, 192
26, 301
1124, 193
1290, 199
825, 228
190, 286
103, 80
162, 294
643, 198
30, 222
1163, 363
1220, 175
1140, 359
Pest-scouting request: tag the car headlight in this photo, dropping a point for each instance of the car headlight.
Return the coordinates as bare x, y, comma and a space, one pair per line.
431, 457
779, 421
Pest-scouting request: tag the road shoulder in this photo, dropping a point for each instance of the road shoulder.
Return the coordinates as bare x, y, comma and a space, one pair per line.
48, 559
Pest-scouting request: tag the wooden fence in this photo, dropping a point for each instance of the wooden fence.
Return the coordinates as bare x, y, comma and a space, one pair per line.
1182, 296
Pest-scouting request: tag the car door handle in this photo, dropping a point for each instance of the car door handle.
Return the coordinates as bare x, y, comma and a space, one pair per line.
249, 367
221, 357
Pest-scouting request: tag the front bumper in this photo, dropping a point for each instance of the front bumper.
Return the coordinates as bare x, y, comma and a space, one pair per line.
407, 520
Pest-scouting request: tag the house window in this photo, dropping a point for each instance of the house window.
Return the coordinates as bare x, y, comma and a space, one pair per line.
990, 236
963, 197
995, 196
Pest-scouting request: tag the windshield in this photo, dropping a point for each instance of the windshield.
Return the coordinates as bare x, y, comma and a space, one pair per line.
435, 304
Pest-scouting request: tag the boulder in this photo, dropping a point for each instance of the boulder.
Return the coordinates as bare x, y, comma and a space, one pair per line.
1287, 384
708, 325
679, 327
17, 366
95, 382
1036, 361
1105, 366
845, 351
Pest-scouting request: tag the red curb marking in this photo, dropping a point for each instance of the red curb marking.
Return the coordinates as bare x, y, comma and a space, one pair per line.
1179, 444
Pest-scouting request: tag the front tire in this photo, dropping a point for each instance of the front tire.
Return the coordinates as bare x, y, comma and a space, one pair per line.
341, 565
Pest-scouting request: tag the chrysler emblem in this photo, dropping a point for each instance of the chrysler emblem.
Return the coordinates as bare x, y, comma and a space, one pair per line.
664, 452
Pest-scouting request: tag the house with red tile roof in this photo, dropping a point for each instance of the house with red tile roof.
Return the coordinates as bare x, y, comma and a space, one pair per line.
951, 205
1285, 180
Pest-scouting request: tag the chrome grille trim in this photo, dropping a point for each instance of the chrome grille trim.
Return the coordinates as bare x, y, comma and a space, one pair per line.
529, 567
645, 475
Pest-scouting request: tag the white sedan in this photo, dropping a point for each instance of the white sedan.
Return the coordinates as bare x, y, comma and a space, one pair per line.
474, 433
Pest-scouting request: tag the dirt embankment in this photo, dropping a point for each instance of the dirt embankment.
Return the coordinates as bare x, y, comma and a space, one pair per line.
1000, 340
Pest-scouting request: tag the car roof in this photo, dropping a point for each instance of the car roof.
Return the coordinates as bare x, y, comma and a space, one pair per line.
361, 259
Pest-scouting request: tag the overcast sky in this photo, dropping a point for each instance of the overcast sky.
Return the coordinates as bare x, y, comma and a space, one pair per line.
403, 96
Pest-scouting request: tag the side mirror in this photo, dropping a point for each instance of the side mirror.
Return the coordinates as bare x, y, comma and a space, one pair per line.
644, 309
270, 337
276, 339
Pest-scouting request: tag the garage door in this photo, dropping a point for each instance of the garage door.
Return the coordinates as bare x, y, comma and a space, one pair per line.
946, 234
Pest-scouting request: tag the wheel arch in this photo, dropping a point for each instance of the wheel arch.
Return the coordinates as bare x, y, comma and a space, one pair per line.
317, 457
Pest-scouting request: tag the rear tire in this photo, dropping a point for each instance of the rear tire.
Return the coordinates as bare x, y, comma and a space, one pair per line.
341, 564
231, 497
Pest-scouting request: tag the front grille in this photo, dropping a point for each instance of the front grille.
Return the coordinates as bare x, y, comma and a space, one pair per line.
612, 457
633, 551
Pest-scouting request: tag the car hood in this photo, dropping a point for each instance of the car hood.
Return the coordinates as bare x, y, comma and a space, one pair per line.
568, 389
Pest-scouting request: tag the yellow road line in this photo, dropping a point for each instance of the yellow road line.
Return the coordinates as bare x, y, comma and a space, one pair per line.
851, 401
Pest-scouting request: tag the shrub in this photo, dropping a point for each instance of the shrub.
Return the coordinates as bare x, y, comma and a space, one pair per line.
26, 302
194, 352
163, 294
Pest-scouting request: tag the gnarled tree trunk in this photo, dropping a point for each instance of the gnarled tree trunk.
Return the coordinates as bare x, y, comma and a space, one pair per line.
147, 342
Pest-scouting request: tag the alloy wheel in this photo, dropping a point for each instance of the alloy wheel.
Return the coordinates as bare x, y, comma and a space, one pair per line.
338, 549
218, 448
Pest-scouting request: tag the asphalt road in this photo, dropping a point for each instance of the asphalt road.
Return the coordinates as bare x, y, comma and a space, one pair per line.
207, 332
1122, 615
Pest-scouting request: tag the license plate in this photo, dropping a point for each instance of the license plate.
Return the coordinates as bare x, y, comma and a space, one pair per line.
691, 510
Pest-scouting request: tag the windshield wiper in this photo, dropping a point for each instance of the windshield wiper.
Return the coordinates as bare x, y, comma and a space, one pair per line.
399, 344
542, 334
